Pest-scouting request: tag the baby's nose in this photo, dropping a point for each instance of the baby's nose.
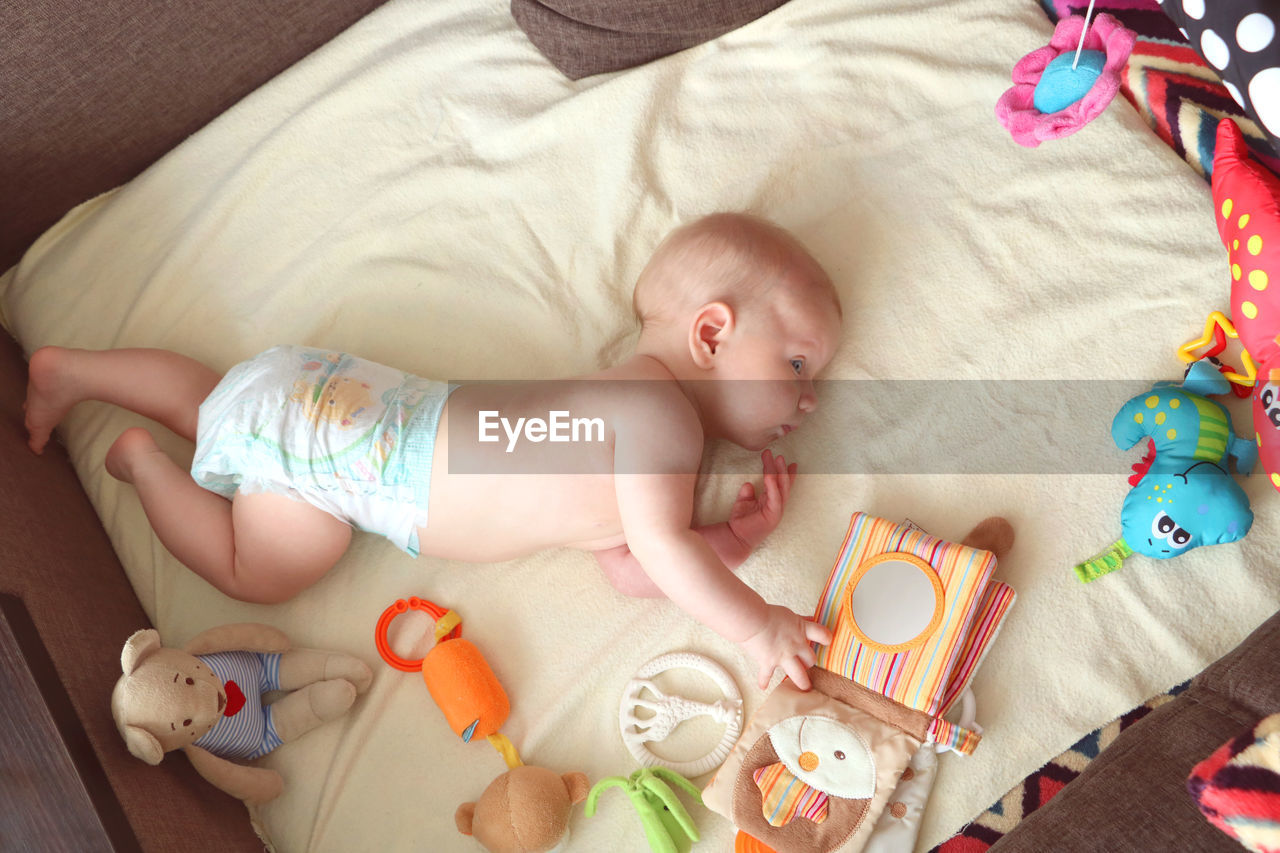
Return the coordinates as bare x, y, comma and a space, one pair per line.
808, 398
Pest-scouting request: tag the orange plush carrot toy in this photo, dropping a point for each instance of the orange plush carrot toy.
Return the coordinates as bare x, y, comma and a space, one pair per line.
456, 673
526, 809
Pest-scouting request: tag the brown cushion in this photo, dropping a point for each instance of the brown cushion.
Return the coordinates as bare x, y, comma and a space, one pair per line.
1134, 795
59, 561
95, 92
581, 37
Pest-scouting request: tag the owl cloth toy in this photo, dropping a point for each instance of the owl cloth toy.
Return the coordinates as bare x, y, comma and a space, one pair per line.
1183, 495
206, 699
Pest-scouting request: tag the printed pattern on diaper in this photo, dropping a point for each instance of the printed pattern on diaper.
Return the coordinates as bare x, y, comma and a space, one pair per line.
348, 435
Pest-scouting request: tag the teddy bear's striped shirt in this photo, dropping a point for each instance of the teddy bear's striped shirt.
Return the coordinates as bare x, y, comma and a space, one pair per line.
245, 729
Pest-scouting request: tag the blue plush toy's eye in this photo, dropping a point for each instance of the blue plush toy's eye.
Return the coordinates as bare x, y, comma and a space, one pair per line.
1162, 525
1179, 538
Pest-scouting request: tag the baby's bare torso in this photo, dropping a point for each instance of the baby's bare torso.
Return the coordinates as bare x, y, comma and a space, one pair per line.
512, 494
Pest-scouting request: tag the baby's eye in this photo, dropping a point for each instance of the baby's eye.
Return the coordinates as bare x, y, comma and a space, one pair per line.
797, 364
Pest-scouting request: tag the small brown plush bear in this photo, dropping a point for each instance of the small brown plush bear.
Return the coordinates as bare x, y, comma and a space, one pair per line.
206, 699
525, 810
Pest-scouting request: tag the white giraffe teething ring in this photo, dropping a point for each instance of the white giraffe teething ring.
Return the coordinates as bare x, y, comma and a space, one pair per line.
670, 711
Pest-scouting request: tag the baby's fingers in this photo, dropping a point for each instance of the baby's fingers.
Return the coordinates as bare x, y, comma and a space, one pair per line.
766, 673
798, 672
773, 491
815, 632
786, 476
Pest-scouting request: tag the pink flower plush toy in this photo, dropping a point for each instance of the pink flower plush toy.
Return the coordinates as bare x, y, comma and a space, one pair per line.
1016, 108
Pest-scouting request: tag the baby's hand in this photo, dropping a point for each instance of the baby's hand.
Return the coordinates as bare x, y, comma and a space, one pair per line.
783, 642
753, 518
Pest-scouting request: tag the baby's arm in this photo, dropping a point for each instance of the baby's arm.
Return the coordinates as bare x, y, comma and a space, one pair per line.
750, 521
656, 510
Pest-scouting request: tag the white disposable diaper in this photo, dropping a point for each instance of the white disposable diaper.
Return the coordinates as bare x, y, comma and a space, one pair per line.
350, 436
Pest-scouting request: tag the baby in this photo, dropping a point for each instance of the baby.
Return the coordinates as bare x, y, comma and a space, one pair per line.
296, 446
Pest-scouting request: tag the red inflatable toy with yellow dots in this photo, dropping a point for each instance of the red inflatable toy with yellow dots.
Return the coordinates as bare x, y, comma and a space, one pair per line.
1246, 197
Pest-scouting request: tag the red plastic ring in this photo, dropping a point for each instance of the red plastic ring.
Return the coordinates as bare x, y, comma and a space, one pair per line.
384, 622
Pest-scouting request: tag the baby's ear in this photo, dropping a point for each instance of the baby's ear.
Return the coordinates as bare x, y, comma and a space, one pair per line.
712, 325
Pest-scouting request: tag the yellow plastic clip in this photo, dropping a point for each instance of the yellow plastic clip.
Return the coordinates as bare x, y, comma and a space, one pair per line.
447, 623
1217, 320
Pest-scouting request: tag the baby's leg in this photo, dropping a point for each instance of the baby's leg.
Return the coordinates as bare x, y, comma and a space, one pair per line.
155, 383
260, 548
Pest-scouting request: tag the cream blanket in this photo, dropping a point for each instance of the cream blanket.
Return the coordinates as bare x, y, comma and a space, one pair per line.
427, 192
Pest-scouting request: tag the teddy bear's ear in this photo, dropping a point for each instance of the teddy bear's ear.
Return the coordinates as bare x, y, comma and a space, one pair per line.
578, 786
137, 648
464, 817
142, 744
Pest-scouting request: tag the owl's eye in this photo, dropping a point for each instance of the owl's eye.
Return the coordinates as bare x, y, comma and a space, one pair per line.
839, 755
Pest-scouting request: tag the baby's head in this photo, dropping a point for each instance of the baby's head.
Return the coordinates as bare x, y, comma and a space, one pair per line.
733, 297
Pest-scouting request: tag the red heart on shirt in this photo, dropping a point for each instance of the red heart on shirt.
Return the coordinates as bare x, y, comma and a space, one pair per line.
235, 699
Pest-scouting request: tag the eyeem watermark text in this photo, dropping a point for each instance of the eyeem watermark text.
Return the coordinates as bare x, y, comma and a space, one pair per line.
558, 427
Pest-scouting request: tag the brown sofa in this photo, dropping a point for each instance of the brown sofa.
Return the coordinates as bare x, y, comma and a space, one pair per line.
1134, 796
91, 94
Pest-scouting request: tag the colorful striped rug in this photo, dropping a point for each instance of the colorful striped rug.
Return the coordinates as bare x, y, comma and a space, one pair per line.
1178, 95
1040, 787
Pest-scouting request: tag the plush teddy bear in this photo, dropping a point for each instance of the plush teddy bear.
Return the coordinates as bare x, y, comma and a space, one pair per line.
206, 699
525, 810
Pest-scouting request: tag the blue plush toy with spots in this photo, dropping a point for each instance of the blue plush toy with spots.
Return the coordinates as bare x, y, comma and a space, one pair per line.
1183, 496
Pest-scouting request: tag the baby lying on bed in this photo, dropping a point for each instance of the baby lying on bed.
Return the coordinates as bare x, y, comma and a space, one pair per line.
297, 445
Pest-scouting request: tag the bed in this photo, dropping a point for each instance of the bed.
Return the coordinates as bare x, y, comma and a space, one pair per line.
427, 191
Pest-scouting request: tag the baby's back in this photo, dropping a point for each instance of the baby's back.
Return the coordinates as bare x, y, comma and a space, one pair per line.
523, 466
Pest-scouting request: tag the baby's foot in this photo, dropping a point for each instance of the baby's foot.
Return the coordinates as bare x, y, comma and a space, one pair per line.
132, 443
49, 394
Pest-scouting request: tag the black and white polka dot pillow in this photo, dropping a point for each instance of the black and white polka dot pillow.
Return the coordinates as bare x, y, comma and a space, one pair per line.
1238, 39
